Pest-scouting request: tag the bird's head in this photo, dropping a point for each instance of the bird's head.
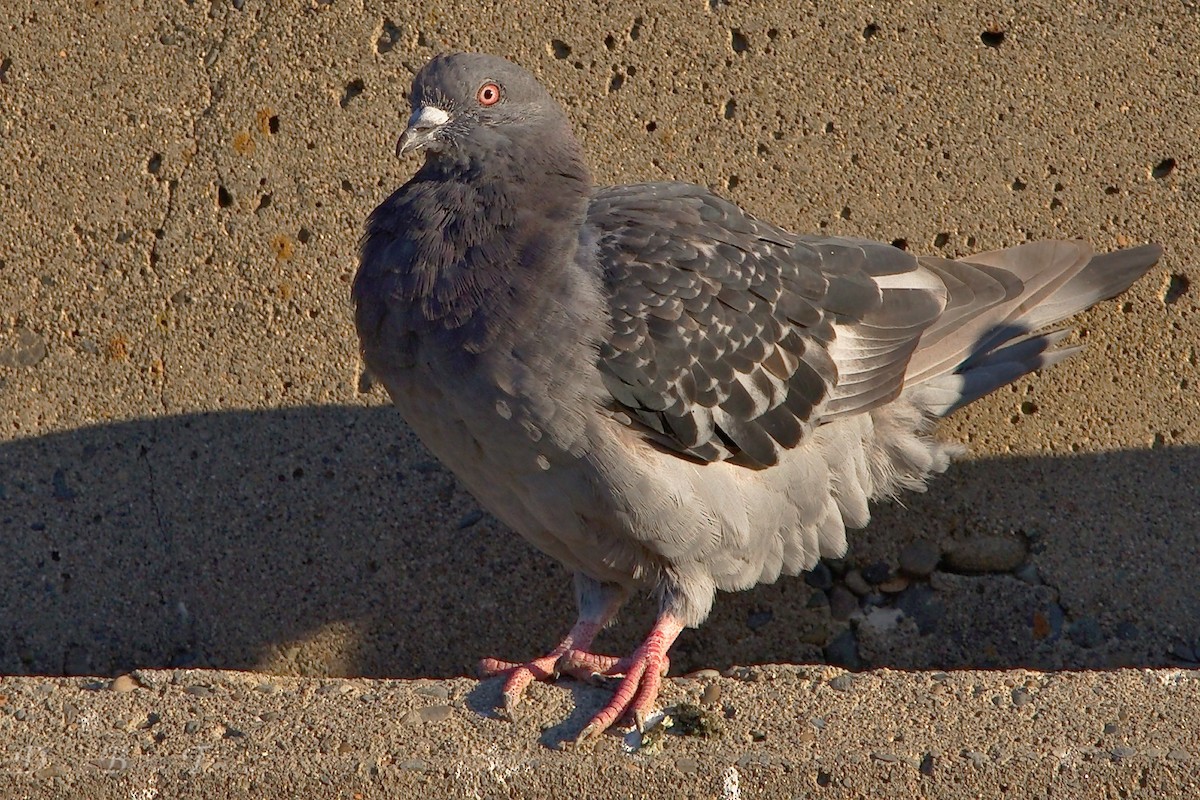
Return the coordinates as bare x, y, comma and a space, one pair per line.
471, 101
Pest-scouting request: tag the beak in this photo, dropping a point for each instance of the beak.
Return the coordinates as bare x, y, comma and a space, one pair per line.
423, 126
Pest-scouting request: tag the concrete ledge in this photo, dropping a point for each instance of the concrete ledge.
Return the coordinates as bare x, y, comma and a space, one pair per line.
784, 732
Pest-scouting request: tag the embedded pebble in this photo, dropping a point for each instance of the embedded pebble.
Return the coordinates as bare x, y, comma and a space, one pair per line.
711, 694
842, 683
702, 674
428, 714
856, 583
842, 651
1123, 752
123, 683
686, 765
433, 690
985, 554
877, 573
894, 585
842, 602
819, 577
28, 350
920, 558
1021, 697
1029, 574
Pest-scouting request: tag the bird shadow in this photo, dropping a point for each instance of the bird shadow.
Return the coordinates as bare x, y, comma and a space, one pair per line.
326, 541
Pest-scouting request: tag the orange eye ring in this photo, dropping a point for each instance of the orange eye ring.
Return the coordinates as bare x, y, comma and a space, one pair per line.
488, 94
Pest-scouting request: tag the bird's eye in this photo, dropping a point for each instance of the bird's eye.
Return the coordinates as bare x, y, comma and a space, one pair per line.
489, 94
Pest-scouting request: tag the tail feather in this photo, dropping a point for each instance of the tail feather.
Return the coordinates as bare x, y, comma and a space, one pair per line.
998, 301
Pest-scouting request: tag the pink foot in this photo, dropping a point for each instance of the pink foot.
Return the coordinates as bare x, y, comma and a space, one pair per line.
642, 674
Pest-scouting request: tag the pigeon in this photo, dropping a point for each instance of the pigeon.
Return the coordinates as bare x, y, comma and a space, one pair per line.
662, 392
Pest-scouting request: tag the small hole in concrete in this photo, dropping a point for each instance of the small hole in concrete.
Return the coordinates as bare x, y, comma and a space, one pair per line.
1163, 168
1126, 307
971, 242
154, 164
559, 49
636, 30
829, 127
1029, 407
730, 108
732, 182
1055, 204
1018, 185
1111, 190
616, 83
1177, 286
651, 126
224, 197
763, 150
941, 240
263, 202
900, 244
304, 235
273, 124
772, 34
870, 31
845, 212
993, 37
389, 37
610, 43
353, 89
347, 186
5, 66
1058, 187
738, 41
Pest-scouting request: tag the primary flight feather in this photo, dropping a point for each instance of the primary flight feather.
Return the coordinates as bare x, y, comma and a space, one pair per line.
662, 392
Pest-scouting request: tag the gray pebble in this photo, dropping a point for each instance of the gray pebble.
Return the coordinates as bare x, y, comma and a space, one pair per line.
887, 758
877, 573
1178, 755
856, 583
819, 577
686, 765
199, 690
470, 518
192, 726
711, 694
843, 650
920, 558
434, 690
1028, 573
842, 683
986, 554
1123, 752
414, 764
27, 351
842, 603
1021, 697
420, 716
1184, 652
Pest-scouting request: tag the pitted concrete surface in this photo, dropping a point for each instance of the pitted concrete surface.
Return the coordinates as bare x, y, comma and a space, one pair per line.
193, 477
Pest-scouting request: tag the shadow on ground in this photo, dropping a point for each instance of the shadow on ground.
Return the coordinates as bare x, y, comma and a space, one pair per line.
325, 541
